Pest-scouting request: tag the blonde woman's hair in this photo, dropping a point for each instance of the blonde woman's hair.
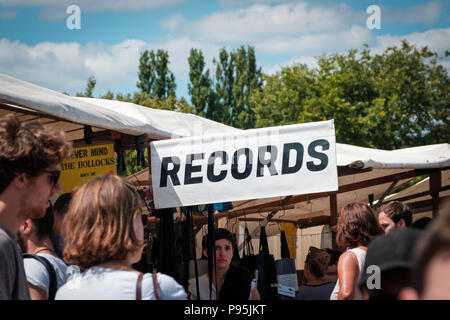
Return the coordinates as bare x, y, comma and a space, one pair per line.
318, 261
99, 224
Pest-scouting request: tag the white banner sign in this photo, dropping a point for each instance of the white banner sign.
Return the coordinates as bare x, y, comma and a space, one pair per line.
250, 164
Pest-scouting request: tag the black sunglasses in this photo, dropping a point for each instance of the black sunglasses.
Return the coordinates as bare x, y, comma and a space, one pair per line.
54, 176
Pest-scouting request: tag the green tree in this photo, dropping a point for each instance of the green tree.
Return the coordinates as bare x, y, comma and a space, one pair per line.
154, 75
200, 86
165, 80
89, 88
247, 80
224, 100
146, 72
108, 95
283, 99
237, 76
396, 99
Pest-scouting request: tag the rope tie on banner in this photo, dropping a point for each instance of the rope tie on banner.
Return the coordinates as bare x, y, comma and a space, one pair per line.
187, 244
211, 248
191, 214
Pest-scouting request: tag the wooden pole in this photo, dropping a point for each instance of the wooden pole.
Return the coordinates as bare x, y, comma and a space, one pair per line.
435, 186
333, 219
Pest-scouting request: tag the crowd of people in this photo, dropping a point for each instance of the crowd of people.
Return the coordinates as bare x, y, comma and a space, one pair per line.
85, 244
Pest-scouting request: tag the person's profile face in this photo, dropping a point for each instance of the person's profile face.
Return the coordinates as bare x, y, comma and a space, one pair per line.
437, 278
386, 223
138, 228
39, 192
224, 253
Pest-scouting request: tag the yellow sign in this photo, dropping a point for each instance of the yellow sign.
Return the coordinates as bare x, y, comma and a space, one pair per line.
87, 163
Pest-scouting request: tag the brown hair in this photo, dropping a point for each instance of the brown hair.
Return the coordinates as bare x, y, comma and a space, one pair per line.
396, 211
62, 204
357, 225
318, 261
28, 148
99, 224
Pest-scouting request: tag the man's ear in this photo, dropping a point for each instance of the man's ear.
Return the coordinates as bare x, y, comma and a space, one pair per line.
205, 252
27, 227
401, 224
19, 181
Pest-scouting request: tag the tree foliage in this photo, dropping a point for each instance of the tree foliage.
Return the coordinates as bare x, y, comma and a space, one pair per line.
200, 86
396, 99
154, 75
90, 85
227, 98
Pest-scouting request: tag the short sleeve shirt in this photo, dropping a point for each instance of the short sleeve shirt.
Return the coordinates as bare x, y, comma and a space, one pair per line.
38, 275
98, 283
13, 283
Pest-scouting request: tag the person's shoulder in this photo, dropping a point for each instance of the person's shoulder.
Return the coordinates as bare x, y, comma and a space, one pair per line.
55, 261
6, 242
32, 263
170, 288
347, 256
164, 279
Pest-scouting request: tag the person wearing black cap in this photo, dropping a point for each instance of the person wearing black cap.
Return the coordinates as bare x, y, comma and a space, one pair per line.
388, 264
431, 271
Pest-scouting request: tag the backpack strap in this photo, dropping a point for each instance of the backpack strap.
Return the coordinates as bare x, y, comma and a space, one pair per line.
51, 272
139, 287
156, 286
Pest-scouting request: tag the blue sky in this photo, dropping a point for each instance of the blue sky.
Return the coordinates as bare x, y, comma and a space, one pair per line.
37, 46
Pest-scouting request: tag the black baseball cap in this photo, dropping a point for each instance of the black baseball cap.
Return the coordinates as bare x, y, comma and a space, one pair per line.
391, 251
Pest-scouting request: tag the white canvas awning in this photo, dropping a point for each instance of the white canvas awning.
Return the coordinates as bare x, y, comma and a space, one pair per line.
44, 104
362, 171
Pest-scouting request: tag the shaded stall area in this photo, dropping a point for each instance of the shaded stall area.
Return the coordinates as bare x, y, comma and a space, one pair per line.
364, 175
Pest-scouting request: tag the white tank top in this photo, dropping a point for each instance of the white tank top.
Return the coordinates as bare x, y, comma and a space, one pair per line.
361, 257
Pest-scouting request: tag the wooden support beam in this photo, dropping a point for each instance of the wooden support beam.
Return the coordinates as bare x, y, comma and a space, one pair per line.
261, 219
347, 171
435, 186
312, 222
354, 186
333, 218
385, 194
142, 183
421, 194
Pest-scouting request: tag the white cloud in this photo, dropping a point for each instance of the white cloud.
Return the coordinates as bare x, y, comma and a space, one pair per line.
66, 66
97, 5
435, 39
261, 21
311, 62
54, 10
353, 37
427, 13
174, 22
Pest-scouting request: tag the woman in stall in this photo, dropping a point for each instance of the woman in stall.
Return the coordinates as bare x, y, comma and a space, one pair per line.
228, 282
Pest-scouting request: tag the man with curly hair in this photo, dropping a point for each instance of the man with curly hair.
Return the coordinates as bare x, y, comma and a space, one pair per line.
30, 159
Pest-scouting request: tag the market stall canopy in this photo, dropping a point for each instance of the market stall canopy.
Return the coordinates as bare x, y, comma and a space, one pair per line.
72, 113
432, 156
364, 173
